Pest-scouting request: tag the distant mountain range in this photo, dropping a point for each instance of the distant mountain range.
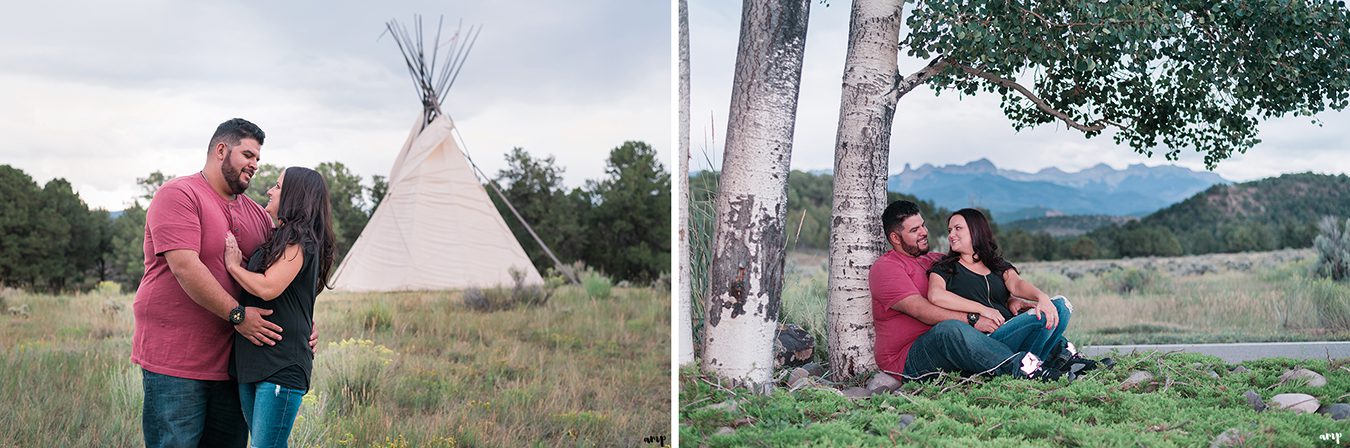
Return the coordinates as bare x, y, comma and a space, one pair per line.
1013, 195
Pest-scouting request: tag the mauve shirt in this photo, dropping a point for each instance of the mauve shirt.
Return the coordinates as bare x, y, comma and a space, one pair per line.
894, 277
173, 335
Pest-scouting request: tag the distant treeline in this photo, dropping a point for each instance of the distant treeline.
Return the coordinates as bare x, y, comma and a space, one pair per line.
51, 240
1267, 214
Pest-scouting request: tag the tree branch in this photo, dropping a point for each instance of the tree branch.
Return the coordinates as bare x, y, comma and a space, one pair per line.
908, 83
1040, 103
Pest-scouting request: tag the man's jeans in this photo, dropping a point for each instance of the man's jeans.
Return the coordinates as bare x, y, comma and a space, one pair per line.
954, 346
270, 410
180, 412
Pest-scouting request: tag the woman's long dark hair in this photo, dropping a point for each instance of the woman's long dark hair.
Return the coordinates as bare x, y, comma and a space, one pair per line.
981, 240
305, 218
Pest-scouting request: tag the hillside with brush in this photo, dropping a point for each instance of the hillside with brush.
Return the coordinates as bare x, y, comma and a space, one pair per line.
1267, 214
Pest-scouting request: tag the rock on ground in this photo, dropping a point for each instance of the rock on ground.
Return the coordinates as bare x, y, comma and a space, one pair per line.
1136, 378
792, 346
882, 382
1299, 403
1338, 411
1231, 437
814, 369
905, 421
1254, 400
857, 393
1314, 379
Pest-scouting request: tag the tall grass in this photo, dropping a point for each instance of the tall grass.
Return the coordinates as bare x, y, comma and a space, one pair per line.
1332, 301
701, 222
432, 373
1257, 298
804, 303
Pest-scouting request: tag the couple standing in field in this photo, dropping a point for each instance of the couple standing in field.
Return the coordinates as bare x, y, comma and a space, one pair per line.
962, 311
220, 337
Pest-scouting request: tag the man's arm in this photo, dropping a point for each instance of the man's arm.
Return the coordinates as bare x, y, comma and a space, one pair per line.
201, 286
920, 308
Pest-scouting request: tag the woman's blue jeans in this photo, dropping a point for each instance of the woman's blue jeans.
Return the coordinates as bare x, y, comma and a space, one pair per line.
1026, 333
955, 346
270, 412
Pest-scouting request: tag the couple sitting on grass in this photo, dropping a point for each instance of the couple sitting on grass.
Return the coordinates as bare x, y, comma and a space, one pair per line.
962, 312
215, 371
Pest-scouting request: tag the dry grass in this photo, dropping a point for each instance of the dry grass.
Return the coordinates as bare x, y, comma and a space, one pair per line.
573, 372
1249, 297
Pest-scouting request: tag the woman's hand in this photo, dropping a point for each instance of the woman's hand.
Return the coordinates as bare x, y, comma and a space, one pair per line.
1047, 309
233, 257
992, 315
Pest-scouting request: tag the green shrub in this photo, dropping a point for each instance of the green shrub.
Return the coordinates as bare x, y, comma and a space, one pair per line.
1333, 250
597, 285
352, 373
520, 294
1131, 280
804, 303
108, 288
377, 317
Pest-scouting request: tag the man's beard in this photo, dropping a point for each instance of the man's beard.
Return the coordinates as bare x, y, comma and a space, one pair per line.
913, 251
232, 181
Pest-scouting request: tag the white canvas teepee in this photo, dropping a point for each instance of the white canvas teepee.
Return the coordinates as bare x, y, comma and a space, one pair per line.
435, 227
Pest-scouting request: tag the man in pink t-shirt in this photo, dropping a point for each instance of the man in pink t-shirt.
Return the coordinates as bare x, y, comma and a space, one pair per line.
914, 337
186, 307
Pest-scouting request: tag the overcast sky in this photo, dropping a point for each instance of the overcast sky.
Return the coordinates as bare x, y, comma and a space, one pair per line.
951, 129
101, 93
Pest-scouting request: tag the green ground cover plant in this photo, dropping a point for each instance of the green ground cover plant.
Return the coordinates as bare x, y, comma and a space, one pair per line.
1183, 406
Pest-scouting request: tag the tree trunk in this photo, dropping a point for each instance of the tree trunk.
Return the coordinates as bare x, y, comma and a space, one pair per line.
686, 304
866, 111
746, 276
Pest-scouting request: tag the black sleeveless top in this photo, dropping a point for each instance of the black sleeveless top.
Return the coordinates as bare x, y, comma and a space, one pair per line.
988, 290
290, 361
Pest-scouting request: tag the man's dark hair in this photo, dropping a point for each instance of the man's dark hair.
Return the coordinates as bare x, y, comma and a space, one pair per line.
233, 130
895, 214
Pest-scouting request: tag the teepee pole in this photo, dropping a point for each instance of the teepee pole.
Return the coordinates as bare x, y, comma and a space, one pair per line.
566, 271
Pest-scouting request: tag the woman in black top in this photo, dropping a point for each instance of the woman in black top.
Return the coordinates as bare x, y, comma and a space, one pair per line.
285, 275
974, 278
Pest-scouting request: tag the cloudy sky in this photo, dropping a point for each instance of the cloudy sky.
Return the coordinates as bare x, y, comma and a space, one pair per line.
101, 93
951, 129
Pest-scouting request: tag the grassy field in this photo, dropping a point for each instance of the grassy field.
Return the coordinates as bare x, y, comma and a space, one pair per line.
1183, 406
403, 369
1247, 297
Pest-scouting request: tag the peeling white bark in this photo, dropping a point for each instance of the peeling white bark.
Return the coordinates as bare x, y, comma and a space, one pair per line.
862, 149
746, 275
686, 302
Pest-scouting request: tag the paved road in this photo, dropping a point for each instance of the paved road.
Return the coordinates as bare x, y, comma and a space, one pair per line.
1234, 353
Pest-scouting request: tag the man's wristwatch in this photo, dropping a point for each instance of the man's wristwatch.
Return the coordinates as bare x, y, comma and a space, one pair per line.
237, 315
972, 318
